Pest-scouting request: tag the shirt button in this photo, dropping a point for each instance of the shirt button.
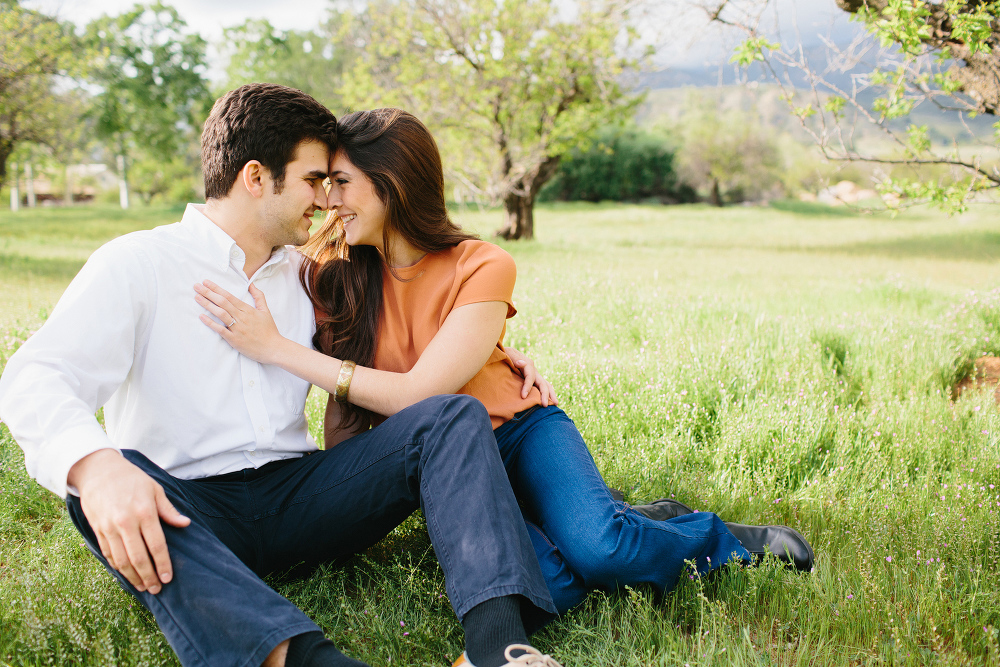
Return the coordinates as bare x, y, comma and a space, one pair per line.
253, 453
261, 429
251, 383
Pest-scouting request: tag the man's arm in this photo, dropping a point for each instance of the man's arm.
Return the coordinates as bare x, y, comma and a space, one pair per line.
53, 385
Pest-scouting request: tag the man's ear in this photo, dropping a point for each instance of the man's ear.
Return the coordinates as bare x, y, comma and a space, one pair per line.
253, 177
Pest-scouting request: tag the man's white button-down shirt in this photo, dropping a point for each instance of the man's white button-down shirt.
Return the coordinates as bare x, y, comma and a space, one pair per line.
126, 335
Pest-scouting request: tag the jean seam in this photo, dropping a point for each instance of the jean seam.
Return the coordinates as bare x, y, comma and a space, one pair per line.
544, 536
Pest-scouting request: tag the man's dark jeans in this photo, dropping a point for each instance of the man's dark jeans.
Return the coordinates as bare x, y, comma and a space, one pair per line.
439, 455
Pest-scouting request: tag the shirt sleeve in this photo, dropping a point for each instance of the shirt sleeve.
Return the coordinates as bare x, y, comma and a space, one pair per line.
488, 273
53, 385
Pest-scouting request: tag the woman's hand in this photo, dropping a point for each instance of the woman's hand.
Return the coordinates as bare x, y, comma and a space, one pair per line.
250, 330
532, 377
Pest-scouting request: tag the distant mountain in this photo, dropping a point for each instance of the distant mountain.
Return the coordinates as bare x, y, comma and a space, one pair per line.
753, 90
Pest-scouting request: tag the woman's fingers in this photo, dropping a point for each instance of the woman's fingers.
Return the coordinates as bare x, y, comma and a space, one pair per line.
225, 316
212, 287
258, 298
214, 325
529, 375
550, 393
219, 297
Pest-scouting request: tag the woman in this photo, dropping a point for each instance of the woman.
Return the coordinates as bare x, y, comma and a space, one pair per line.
421, 307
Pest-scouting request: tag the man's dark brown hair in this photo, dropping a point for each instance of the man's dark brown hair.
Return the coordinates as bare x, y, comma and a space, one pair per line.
263, 122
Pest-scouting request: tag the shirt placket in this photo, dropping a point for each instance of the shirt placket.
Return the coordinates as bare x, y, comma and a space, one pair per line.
250, 373
253, 396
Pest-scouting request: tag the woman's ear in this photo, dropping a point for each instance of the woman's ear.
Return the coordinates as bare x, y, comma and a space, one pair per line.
253, 177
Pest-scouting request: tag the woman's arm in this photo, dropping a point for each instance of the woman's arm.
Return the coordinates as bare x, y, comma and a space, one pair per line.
457, 352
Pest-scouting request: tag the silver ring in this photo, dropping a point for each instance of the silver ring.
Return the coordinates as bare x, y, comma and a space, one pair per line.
231, 323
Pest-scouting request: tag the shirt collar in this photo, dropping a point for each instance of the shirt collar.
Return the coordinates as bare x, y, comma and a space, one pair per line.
220, 245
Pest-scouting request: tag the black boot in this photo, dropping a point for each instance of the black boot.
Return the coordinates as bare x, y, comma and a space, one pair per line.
787, 544
663, 509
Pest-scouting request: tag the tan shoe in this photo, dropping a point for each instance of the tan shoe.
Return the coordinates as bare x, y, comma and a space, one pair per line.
531, 657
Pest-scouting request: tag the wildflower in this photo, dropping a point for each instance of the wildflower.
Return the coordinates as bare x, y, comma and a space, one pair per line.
888, 559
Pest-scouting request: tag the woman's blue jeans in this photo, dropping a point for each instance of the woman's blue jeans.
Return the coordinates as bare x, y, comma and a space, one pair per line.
583, 538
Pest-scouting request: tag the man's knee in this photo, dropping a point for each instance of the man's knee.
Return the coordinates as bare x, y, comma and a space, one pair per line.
460, 411
458, 403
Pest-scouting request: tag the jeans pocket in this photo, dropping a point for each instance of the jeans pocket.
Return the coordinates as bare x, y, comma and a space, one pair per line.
523, 414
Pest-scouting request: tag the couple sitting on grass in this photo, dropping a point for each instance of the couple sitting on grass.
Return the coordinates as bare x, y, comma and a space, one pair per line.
206, 478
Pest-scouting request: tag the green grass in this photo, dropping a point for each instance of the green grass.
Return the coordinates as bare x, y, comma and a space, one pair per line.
773, 365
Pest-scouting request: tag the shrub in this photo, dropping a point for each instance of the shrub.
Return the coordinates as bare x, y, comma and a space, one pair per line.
624, 164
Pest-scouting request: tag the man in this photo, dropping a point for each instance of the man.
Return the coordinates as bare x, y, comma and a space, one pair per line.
203, 481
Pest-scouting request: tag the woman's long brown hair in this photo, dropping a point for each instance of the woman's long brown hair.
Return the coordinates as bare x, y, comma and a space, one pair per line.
397, 153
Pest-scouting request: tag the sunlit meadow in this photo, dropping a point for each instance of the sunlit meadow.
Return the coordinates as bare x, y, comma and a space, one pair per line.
775, 365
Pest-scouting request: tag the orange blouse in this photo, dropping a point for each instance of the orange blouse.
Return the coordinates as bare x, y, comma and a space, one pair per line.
416, 304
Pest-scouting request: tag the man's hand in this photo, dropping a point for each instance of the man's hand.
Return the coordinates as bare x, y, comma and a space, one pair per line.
532, 377
124, 506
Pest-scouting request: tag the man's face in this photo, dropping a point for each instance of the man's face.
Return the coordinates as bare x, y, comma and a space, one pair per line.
287, 216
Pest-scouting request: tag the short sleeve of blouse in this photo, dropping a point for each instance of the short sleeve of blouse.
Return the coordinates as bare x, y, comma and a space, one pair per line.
487, 273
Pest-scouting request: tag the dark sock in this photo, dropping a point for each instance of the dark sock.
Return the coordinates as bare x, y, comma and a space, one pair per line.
492, 626
312, 649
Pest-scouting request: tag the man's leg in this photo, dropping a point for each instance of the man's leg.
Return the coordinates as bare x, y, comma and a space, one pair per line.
215, 611
439, 455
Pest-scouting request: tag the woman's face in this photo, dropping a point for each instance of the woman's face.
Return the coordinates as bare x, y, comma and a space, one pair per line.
357, 203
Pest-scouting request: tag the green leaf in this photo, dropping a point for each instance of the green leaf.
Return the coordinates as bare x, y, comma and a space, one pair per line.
804, 112
752, 49
917, 140
835, 105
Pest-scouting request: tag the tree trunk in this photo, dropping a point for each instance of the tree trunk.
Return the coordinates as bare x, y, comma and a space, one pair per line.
29, 184
6, 148
520, 218
122, 183
68, 197
15, 192
715, 198
519, 203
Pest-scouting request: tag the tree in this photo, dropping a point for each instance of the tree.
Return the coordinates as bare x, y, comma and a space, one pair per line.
939, 56
508, 86
309, 60
726, 154
153, 91
34, 50
623, 164
964, 32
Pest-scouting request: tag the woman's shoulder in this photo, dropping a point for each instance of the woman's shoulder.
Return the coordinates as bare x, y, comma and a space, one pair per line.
478, 252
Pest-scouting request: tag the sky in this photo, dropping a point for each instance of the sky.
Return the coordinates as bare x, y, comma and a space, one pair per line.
678, 29
207, 17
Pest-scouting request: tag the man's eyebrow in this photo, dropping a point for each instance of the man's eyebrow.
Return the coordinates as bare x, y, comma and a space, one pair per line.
316, 173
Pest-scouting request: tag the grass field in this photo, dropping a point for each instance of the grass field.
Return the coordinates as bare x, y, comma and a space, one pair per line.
784, 365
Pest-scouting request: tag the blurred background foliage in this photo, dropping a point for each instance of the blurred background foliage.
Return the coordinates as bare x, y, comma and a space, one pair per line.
529, 100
